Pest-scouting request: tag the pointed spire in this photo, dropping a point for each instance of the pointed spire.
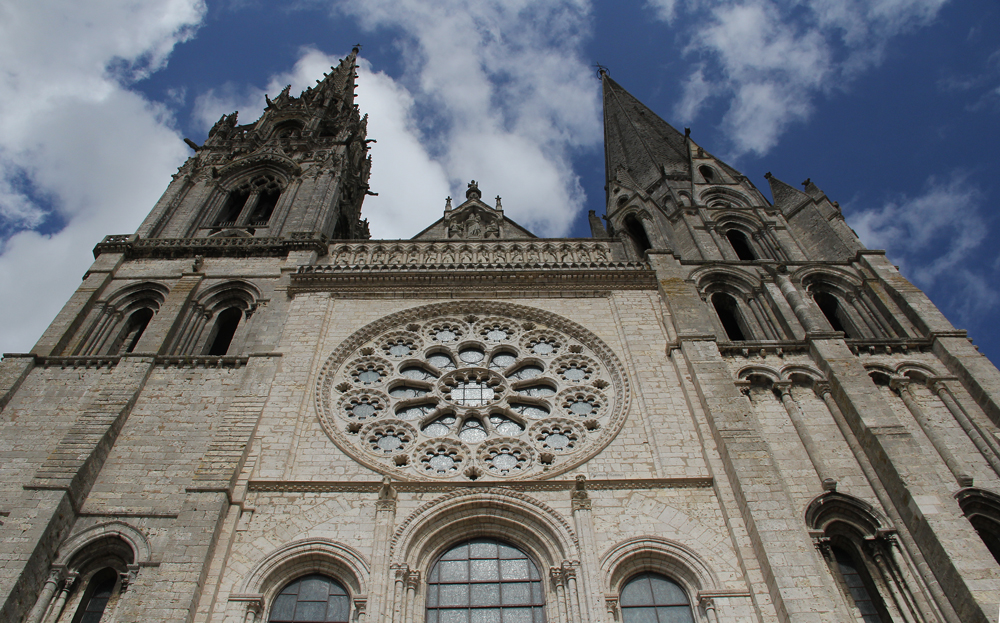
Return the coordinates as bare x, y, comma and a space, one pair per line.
785, 197
637, 140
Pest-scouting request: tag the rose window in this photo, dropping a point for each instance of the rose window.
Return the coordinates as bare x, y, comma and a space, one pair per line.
505, 394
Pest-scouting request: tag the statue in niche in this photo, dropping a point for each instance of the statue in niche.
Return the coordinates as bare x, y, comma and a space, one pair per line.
473, 227
492, 229
448, 256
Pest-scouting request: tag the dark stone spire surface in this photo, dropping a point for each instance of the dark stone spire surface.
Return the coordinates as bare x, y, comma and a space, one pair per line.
637, 140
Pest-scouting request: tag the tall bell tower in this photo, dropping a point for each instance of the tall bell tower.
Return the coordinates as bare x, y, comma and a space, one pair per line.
301, 168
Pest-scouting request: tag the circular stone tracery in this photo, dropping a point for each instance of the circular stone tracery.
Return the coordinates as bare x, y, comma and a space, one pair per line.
488, 391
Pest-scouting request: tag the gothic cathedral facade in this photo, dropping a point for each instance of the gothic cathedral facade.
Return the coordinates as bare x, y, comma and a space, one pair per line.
716, 409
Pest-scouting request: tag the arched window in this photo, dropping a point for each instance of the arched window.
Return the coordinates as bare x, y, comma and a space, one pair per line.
311, 599
707, 173
225, 328
983, 510
729, 314
638, 234
234, 205
653, 598
96, 597
857, 585
485, 580
741, 245
834, 313
132, 331
265, 207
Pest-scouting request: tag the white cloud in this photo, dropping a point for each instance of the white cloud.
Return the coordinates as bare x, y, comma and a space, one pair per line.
771, 58
74, 140
508, 93
922, 234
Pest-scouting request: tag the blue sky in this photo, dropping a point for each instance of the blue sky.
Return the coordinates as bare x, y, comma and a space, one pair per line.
890, 106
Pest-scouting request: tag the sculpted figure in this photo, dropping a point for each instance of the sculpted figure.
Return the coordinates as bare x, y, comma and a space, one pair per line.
473, 227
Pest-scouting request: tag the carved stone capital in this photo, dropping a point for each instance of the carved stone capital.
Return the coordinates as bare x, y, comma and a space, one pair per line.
822, 388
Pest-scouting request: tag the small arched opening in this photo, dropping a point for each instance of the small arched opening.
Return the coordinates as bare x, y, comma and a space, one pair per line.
132, 331
729, 315
226, 324
834, 312
741, 245
95, 599
230, 211
707, 173
637, 233
983, 511
266, 202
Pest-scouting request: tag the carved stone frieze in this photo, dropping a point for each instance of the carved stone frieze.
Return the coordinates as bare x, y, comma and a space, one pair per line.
382, 254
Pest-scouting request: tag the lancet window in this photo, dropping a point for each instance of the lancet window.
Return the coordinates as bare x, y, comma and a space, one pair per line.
729, 315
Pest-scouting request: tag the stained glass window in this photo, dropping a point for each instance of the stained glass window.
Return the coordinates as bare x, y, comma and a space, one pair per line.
654, 598
311, 599
485, 581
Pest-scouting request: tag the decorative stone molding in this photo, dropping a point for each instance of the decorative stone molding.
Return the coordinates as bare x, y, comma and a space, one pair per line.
133, 537
284, 564
654, 553
375, 254
427, 486
515, 515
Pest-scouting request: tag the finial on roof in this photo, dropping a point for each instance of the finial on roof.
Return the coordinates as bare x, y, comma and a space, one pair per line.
602, 70
767, 175
687, 132
473, 192
499, 207
356, 48
806, 183
447, 203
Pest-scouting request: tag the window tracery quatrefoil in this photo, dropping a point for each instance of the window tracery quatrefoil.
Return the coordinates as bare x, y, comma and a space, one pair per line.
490, 395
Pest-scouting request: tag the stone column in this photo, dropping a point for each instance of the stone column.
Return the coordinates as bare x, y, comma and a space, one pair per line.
583, 521
412, 584
901, 387
385, 517
572, 593
802, 310
708, 605
60, 603
399, 572
44, 598
980, 440
611, 606
784, 389
254, 609
360, 609
556, 575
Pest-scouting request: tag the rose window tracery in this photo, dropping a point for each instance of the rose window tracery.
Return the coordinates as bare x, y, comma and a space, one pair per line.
493, 395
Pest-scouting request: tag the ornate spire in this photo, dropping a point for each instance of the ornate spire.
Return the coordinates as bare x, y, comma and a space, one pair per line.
637, 140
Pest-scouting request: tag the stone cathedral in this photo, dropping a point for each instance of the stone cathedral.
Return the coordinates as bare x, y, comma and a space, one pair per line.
718, 408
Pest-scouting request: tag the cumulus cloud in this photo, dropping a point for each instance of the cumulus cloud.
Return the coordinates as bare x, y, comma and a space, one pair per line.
503, 94
770, 58
931, 246
77, 147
